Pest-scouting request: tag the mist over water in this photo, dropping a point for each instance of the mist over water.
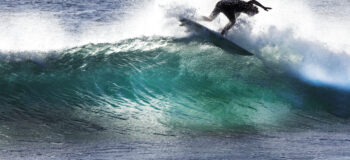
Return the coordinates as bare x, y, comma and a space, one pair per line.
124, 76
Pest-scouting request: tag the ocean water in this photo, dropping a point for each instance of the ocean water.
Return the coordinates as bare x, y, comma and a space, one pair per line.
112, 79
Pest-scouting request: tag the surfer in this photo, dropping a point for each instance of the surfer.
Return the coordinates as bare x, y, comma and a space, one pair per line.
232, 9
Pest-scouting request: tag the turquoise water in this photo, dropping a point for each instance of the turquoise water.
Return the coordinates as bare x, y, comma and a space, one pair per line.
174, 83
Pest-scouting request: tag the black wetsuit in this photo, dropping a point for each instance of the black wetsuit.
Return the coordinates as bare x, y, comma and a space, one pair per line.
230, 8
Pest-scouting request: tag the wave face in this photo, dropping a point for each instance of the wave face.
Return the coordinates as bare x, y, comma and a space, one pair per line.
156, 86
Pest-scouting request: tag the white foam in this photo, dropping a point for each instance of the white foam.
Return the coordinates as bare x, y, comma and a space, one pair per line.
322, 48
32, 31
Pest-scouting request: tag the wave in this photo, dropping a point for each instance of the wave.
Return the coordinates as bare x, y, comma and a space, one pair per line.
160, 83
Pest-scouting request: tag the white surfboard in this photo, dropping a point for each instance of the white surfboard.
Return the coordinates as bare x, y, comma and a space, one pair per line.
214, 37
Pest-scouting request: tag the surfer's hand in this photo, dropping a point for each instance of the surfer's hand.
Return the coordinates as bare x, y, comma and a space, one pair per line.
267, 8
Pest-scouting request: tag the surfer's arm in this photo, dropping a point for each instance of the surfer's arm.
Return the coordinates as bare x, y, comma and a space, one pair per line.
260, 5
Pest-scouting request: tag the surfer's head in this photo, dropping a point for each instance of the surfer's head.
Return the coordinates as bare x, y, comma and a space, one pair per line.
250, 9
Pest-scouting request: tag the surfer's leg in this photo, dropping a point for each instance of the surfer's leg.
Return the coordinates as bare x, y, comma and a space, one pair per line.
227, 27
213, 14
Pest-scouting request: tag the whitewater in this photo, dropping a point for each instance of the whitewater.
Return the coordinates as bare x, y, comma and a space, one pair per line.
120, 79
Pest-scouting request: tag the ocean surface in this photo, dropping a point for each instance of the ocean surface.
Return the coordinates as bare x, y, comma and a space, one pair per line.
120, 79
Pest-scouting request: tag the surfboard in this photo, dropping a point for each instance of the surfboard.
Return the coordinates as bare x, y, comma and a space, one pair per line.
214, 37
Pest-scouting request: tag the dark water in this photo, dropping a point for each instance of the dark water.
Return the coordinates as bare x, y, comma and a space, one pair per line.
161, 97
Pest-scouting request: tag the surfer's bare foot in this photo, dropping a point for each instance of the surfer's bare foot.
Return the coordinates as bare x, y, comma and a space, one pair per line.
204, 18
223, 32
